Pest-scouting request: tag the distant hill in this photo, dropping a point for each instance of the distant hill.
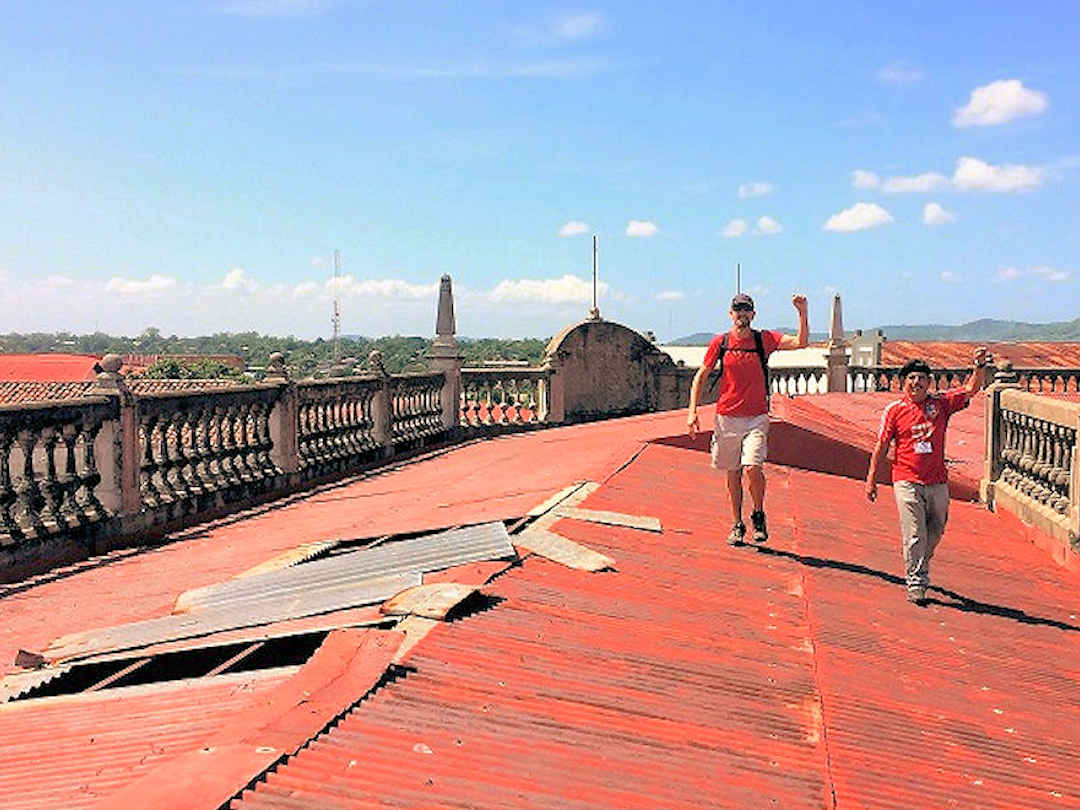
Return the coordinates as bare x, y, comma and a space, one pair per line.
987, 329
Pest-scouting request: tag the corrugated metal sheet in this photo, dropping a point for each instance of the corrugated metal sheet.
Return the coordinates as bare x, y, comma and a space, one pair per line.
705, 676
254, 610
67, 752
488, 541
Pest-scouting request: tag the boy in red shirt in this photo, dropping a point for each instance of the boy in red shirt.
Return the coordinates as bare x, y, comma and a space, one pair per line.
742, 406
917, 424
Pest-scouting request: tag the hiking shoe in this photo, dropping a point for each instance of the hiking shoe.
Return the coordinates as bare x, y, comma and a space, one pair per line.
916, 594
737, 535
761, 534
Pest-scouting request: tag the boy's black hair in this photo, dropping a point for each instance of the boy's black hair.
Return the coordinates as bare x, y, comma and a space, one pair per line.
915, 364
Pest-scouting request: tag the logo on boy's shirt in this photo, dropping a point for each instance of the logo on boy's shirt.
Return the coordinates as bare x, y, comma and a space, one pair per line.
931, 410
922, 431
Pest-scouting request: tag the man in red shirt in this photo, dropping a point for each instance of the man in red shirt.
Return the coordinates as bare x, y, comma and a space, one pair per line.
741, 429
917, 424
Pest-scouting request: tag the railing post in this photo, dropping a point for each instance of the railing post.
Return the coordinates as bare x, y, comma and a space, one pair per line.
556, 390
446, 356
382, 406
116, 446
284, 418
1074, 491
1004, 379
837, 361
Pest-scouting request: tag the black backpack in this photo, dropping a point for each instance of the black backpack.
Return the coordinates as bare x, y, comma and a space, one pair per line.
759, 350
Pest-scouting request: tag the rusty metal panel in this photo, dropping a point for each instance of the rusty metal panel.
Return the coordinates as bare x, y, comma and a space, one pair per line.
487, 541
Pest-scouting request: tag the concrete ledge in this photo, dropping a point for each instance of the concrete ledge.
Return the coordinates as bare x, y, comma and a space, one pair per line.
1037, 523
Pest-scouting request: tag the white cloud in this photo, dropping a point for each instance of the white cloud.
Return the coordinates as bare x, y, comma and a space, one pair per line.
972, 174
566, 290
637, 227
900, 73
767, 226
237, 279
305, 289
56, 282
949, 277
1051, 274
573, 228
735, 228
861, 178
273, 8
670, 295
572, 27
930, 181
381, 288
754, 189
858, 218
934, 214
998, 103
134, 286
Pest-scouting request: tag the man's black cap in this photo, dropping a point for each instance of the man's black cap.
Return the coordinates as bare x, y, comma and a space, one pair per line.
742, 298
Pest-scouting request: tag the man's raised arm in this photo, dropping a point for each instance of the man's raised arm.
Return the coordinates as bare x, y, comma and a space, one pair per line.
798, 342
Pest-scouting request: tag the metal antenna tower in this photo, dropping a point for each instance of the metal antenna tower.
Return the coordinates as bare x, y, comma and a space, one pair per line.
336, 319
594, 313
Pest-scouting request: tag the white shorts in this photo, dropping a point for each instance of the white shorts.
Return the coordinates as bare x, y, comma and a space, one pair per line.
739, 441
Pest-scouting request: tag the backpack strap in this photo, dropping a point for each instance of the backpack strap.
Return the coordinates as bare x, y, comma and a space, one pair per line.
719, 363
759, 347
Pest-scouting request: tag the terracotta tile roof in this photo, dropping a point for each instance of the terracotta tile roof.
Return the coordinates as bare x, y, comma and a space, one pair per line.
692, 675
15, 391
958, 354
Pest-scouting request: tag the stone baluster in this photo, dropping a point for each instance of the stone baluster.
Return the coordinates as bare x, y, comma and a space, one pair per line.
69, 481
52, 488
8, 496
30, 499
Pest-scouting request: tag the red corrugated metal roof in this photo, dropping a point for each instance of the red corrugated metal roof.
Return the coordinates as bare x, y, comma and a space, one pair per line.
698, 675
948, 354
48, 367
693, 675
67, 752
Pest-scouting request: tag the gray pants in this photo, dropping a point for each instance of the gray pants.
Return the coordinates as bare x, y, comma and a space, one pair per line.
923, 509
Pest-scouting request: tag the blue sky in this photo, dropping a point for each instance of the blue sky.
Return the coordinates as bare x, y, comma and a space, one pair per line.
192, 166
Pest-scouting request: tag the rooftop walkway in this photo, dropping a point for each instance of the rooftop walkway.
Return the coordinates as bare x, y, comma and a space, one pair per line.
692, 675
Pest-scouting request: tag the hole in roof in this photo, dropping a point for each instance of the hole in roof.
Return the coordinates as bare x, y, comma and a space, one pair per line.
198, 662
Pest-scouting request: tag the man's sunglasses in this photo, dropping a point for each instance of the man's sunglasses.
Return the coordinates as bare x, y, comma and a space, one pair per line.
742, 308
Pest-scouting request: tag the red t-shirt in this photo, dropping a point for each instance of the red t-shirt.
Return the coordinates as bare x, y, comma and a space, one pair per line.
919, 431
742, 385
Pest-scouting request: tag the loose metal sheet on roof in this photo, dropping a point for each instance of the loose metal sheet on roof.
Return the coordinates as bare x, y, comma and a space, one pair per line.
433, 552
254, 610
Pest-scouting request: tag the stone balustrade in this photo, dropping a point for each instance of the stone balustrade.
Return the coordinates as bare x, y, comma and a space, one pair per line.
796, 380
203, 450
1032, 466
504, 396
341, 424
49, 469
887, 378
